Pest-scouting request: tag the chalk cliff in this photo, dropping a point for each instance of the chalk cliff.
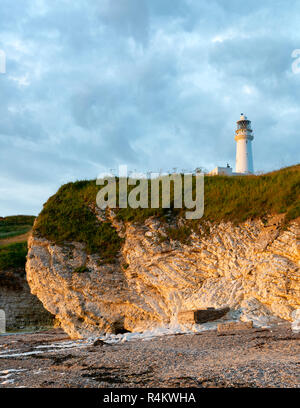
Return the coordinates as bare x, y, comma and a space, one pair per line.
252, 267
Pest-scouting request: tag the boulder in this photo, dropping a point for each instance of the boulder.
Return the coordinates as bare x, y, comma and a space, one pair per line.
233, 326
202, 315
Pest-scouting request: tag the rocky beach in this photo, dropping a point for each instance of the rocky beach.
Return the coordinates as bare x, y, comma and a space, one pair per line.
252, 358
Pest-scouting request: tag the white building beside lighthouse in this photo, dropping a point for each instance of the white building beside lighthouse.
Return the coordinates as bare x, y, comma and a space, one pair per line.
244, 158
244, 137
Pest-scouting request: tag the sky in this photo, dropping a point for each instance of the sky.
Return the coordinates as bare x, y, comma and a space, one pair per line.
151, 84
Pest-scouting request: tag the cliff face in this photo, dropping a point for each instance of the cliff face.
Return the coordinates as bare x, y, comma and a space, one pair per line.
22, 309
252, 267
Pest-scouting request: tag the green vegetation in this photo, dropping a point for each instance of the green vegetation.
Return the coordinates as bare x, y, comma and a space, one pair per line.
67, 216
17, 220
238, 198
81, 269
181, 234
247, 197
13, 256
15, 225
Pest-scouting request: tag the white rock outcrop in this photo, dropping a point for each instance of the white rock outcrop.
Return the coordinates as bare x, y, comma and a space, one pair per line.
296, 321
2, 321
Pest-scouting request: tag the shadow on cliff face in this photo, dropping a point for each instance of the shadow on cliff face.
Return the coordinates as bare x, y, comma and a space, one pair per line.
12, 279
118, 328
23, 310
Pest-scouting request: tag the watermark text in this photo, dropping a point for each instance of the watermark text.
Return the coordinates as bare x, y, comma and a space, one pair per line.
296, 63
153, 190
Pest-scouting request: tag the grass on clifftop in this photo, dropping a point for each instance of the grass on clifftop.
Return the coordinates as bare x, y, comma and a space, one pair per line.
13, 254
244, 197
15, 225
67, 217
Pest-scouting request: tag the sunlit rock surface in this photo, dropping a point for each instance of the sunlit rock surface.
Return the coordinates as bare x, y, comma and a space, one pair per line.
253, 268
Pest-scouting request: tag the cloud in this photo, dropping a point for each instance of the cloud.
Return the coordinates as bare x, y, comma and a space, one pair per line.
152, 84
127, 17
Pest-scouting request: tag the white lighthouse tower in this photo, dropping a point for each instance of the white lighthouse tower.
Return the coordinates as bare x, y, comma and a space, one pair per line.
244, 137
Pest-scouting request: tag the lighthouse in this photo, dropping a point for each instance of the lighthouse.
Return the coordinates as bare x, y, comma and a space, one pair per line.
244, 137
